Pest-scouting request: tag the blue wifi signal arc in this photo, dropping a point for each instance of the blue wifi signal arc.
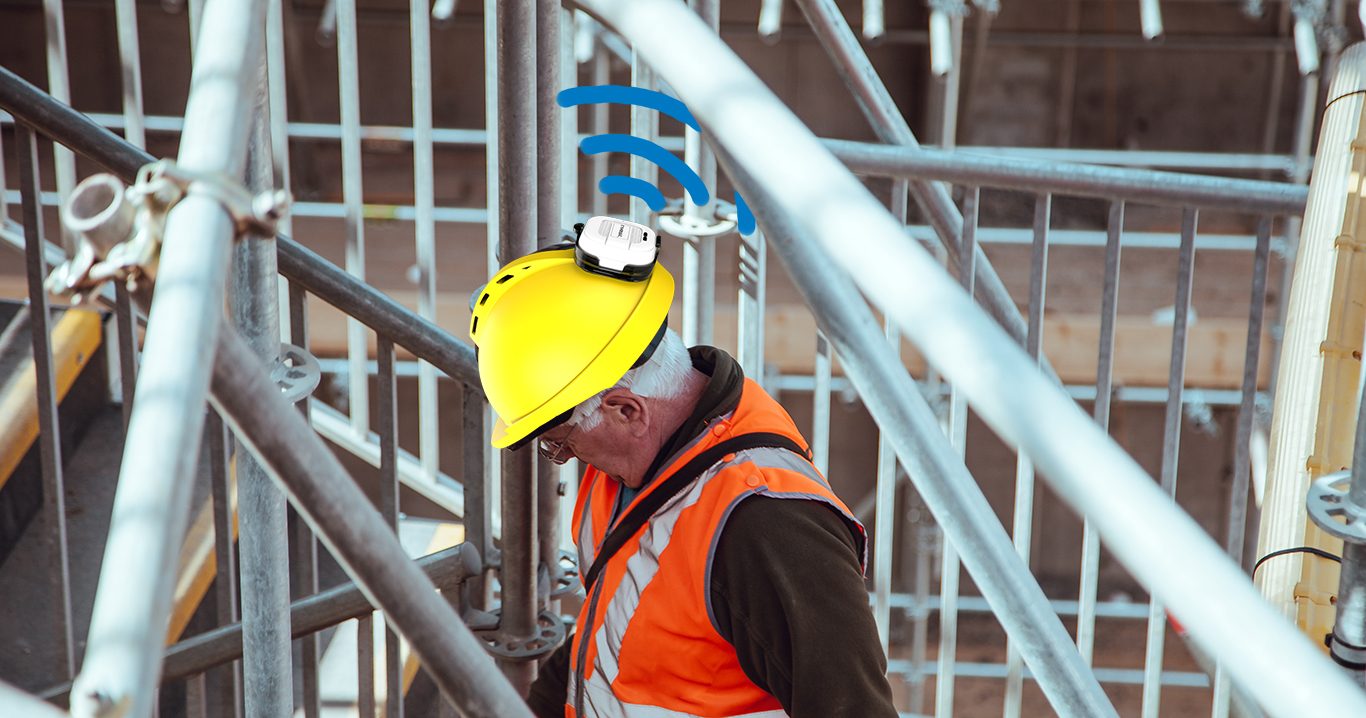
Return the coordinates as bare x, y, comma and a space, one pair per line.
666, 160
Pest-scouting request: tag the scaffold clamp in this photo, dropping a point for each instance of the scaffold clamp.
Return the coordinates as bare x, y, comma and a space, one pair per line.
120, 228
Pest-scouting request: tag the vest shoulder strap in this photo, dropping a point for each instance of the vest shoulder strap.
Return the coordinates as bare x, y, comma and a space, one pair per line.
642, 511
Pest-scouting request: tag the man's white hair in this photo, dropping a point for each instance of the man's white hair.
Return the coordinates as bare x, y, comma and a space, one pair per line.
662, 376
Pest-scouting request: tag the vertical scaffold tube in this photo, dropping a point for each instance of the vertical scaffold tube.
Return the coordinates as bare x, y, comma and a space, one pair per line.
548, 213
518, 221
263, 543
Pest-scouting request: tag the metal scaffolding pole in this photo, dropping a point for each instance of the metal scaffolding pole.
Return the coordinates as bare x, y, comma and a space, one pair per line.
424, 192
518, 220
348, 77
1022, 527
59, 84
1133, 185
1180, 564
549, 18
1348, 644
699, 252
49, 433
151, 506
1105, 371
547, 121
950, 565
14, 702
262, 557
351, 528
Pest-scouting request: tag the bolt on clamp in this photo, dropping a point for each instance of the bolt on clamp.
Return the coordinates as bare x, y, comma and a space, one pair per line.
121, 227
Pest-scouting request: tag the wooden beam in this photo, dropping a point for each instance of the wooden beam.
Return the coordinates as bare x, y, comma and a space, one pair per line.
1071, 341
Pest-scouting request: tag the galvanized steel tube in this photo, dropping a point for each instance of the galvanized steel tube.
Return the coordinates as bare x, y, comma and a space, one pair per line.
950, 565
386, 410
424, 229
549, 231
1105, 371
59, 84
49, 431
263, 543
547, 122
303, 545
1022, 525
518, 220
1180, 563
1348, 643
126, 20
354, 532
1171, 451
1134, 185
348, 78
151, 506
820, 407
770, 20
14, 702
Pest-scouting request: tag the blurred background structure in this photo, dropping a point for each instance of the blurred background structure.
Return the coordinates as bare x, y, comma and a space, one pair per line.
1122, 186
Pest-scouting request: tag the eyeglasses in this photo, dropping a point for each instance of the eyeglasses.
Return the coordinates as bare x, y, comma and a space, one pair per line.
556, 452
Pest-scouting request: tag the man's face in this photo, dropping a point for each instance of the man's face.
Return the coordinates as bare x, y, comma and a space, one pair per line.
613, 445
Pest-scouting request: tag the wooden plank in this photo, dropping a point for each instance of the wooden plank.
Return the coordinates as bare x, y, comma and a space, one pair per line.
198, 562
1071, 341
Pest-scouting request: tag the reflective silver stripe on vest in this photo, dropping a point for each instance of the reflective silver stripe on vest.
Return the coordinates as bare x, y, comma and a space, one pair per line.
587, 549
641, 568
601, 702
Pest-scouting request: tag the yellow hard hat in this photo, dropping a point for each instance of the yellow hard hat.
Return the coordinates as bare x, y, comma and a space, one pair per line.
550, 335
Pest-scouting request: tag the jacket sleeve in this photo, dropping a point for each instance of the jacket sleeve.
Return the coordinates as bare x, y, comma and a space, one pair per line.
787, 591
551, 688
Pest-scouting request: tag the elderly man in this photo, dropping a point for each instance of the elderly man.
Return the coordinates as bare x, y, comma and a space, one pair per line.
723, 576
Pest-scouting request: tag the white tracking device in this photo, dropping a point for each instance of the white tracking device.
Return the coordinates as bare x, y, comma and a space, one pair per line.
617, 248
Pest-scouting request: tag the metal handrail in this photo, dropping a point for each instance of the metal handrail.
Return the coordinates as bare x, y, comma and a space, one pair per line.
1133, 185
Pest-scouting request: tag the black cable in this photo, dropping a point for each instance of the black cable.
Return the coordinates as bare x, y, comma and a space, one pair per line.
1298, 549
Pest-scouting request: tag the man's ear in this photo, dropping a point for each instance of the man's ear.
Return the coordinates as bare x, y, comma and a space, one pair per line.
627, 409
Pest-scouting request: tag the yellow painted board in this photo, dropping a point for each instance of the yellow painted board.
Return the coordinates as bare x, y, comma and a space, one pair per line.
198, 562
75, 337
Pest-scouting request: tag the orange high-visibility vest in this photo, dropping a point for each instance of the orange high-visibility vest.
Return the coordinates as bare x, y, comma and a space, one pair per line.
646, 642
